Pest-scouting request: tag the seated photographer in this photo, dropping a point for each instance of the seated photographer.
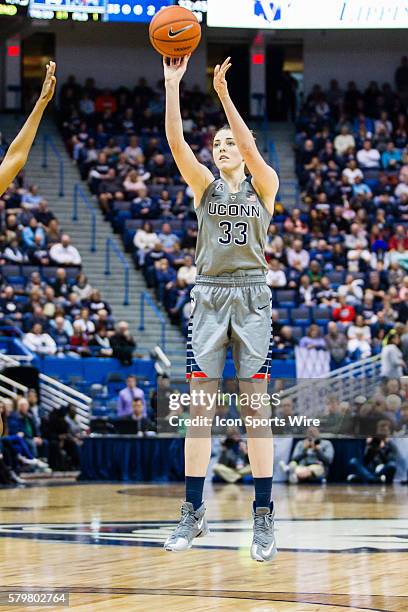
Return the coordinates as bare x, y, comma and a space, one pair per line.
310, 460
233, 462
379, 462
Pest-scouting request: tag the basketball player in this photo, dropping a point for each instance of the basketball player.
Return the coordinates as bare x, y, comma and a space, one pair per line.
19, 149
231, 301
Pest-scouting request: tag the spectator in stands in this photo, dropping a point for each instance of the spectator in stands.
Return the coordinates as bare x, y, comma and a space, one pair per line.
126, 397
336, 343
29, 234
79, 341
39, 342
310, 460
14, 254
392, 361
144, 241
143, 207
368, 157
313, 339
344, 141
31, 199
137, 416
123, 344
298, 258
344, 313
100, 342
275, 276
82, 287
378, 465
64, 253
167, 238
21, 421
60, 335
10, 309
392, 157
73, 438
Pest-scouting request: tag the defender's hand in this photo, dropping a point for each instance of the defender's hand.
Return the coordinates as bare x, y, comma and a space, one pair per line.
48, 87
220, 82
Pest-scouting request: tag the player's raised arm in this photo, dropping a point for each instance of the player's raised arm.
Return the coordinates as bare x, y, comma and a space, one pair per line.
264, 177
19, 149
197, 176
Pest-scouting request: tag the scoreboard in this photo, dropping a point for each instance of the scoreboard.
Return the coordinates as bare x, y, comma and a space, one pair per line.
96, 10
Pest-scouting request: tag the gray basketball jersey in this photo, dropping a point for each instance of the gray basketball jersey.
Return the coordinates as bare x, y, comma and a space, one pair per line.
232, 230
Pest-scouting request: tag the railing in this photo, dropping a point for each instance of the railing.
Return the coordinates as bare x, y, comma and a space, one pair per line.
54, 394
145, 299
49, 143
111, 245
273, 156
359, 378
80, 195
289, 189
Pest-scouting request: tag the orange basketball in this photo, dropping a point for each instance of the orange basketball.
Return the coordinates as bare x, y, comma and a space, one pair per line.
174, 31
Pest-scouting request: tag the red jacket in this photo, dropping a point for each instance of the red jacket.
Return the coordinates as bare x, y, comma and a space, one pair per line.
344, 314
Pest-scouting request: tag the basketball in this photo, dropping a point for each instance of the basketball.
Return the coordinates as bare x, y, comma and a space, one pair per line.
174, 31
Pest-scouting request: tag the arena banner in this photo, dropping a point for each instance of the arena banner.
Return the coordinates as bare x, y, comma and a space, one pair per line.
308, 14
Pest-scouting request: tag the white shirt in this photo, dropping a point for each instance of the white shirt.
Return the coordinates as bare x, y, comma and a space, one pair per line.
400, 189
342, 142
391, 357
187, 274
276, 278
65, 255
40, 343
351, 174
368, 159
303, 256
145, 240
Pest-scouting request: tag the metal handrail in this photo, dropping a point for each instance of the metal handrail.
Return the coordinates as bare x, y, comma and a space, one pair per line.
111, 245
80, 195
48, 142
146, 299
13, 383
273, 156
285, 186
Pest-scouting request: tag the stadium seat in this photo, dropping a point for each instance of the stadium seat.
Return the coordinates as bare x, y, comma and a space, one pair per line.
283, 316
301, 316
321, 316
285, 298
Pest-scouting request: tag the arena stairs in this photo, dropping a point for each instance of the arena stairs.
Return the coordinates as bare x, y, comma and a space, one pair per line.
93, 263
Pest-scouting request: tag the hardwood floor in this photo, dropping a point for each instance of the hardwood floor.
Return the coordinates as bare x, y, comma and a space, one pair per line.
340, 548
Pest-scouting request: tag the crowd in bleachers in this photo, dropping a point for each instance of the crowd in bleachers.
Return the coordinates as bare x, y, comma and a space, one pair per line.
339, 256
35, 440
44, 296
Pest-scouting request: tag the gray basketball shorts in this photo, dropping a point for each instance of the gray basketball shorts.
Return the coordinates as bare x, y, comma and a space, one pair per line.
231, 311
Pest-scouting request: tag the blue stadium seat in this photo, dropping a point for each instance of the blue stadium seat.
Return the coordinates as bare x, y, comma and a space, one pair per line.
11, 271
283, 316
297, 332
49, 273
285, 298
321, 316
336, 277
301, 316
27, 270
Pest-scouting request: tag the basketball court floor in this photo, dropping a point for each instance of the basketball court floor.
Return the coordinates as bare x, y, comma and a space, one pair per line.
341, 548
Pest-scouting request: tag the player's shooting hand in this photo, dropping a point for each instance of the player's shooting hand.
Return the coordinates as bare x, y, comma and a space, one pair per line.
48, 87
175, 68
220, 82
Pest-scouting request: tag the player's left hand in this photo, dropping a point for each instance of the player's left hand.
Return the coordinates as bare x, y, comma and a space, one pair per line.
48, 87
220, 82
